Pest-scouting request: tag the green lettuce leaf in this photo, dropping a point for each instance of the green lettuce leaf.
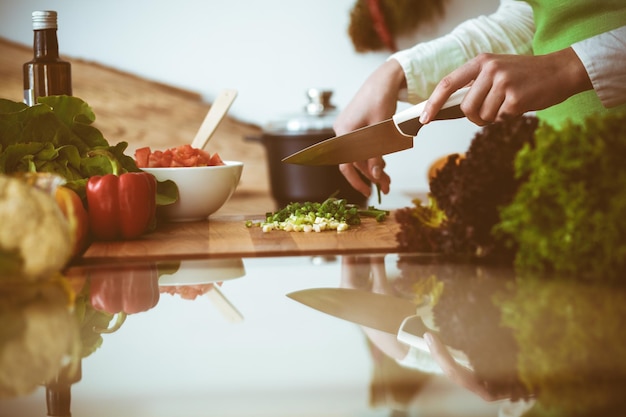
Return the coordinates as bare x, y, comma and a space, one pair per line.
56, 135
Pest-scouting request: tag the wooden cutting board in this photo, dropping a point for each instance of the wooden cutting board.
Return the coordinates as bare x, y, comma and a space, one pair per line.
228, 236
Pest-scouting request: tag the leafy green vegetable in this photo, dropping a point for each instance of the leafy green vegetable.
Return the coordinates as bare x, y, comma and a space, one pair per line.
420, 229
569, 215
60, 120
56, 136
469, 191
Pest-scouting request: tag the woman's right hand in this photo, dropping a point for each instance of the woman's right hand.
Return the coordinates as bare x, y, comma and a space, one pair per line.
511, 85
375, 101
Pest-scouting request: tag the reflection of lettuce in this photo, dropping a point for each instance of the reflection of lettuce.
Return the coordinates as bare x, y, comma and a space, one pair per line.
89, 321
560, 340
37, 332
469, 320
572, 345
93, 323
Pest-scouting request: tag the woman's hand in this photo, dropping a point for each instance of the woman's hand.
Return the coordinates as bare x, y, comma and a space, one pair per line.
457, 373
511, 85
375, 101
368, 273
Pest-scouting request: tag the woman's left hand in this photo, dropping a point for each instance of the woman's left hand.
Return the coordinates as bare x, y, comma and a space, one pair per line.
375, 101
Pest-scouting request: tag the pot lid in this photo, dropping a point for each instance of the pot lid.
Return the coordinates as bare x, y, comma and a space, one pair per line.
318, 115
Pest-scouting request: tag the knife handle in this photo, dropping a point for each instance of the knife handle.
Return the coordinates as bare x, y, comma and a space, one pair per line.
412, 332
407, 121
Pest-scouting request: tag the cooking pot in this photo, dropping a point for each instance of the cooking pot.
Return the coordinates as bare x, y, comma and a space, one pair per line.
289, 134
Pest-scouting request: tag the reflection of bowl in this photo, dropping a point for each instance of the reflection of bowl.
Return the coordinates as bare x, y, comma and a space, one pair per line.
203, 271
201, 190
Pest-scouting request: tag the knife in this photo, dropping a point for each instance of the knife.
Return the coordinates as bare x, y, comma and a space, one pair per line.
377, 311
392, 135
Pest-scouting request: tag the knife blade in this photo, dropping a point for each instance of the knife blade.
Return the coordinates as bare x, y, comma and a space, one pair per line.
377, 311
392, 135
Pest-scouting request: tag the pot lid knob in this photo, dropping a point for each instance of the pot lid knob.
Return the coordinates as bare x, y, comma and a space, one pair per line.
319, 101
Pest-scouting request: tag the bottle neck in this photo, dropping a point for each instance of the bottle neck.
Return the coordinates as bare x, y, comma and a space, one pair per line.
59, 400
46, 45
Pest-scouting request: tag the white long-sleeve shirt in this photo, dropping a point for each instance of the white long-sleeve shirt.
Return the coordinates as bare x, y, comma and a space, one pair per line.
510, 30
604, 58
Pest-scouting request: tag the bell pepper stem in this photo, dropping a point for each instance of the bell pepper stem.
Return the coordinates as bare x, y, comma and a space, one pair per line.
121, 318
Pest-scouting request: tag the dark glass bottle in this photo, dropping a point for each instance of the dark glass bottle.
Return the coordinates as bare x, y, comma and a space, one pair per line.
46, 74
59, 390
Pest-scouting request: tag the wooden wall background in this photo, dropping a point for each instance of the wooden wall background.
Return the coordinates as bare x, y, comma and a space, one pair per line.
146, 113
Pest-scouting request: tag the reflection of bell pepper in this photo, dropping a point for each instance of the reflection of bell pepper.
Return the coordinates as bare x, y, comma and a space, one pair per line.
126, 290
121, 206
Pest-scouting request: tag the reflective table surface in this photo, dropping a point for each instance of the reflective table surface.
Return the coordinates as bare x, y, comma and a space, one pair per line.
221, 337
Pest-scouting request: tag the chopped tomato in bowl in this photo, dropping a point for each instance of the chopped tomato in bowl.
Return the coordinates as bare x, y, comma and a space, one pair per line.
205, 182
180, 156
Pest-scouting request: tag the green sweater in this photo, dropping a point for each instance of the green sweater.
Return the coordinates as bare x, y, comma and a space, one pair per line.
561, 23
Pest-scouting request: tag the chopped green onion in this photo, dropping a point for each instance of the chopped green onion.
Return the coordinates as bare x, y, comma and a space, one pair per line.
332, 214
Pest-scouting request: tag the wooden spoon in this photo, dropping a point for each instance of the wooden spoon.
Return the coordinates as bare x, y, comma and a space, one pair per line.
213, 118
223, 304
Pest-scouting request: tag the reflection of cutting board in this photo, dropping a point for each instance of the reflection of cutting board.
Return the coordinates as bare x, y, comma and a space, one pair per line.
226, 236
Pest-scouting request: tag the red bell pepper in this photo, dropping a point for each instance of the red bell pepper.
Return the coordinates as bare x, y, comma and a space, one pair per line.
121, 206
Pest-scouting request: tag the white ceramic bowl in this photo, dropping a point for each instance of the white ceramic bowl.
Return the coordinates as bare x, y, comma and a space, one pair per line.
201, 190
204, 271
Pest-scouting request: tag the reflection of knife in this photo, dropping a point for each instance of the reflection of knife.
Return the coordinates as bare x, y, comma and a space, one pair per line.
377, 311
392, 135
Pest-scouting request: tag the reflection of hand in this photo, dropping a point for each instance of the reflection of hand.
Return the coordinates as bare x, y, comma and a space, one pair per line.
457, 373
375, 101
511, 84
368, 273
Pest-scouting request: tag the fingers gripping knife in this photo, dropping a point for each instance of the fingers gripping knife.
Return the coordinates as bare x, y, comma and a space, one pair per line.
392, 135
